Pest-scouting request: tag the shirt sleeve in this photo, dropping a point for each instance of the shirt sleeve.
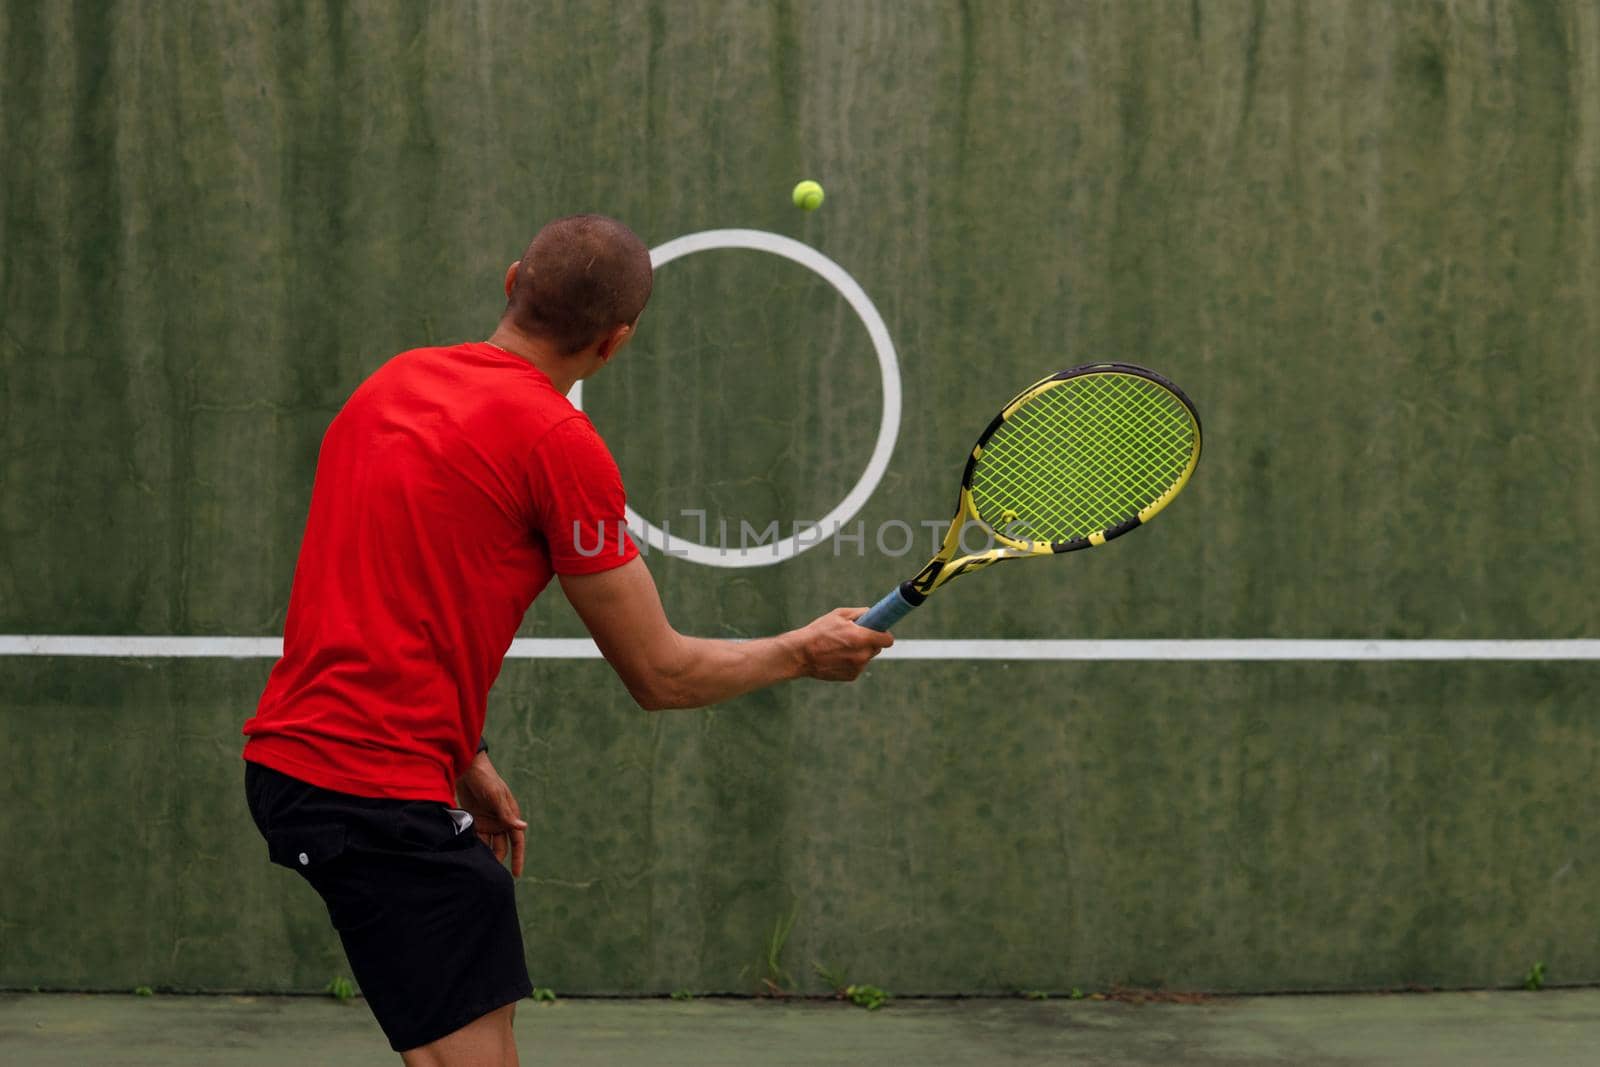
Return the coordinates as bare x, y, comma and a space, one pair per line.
578, 501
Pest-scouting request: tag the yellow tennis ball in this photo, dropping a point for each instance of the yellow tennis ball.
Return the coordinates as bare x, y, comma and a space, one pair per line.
808, 195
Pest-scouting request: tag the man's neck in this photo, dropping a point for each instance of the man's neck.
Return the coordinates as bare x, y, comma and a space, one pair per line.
563, 371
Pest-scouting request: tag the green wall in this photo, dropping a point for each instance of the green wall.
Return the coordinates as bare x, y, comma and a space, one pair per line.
1364, 236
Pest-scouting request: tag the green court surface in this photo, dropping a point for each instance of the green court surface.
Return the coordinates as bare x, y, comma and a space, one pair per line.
1552, 1028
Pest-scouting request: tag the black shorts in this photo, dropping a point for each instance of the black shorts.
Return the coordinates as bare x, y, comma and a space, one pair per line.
425, 911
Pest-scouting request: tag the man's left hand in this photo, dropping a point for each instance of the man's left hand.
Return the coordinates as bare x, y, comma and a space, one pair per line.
495, 814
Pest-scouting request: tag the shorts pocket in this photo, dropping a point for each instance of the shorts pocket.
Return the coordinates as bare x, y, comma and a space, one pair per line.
463, 834
417, 828
306, 848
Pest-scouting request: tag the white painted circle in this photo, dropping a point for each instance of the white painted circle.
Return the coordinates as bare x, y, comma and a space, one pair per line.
888, 425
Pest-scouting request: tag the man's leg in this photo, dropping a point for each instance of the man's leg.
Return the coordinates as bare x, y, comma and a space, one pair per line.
486, 1041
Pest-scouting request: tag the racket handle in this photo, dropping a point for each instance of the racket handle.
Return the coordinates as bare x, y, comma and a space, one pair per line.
886, 612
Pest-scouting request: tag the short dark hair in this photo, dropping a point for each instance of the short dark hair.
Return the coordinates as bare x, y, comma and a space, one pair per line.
581, 277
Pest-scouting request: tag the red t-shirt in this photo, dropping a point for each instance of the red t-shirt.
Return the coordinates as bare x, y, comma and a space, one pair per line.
451, 486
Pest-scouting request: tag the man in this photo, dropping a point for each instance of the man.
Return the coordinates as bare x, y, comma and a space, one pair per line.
451, 487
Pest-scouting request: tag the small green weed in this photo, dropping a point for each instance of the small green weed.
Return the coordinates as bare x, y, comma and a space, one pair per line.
1036, 994
340, 988
869, 997
866, 996
777, 980
831, 977
682, 994
144, 991
1534, 981
542, 995
1075, 994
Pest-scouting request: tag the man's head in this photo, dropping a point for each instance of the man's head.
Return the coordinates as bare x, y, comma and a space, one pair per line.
580, 285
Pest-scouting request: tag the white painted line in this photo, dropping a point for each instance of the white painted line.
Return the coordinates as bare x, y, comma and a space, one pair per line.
553, 648
561, 648
142, 647
1247, 649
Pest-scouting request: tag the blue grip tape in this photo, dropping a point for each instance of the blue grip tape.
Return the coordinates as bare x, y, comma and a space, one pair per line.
886, 612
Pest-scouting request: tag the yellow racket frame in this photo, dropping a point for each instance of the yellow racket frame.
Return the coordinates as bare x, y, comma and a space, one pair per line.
950, 562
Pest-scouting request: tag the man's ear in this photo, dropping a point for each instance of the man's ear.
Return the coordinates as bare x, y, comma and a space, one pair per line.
511, 277
612, 341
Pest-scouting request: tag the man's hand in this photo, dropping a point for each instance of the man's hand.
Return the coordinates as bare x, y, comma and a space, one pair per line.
835, 649
495, 815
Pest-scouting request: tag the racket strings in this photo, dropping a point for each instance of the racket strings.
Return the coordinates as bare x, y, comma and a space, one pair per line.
1130, 440
1082, 457
1107, 462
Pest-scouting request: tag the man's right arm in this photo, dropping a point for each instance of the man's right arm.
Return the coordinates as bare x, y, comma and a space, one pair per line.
665, 669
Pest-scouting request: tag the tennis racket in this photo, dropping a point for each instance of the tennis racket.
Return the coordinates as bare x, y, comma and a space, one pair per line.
1071, 462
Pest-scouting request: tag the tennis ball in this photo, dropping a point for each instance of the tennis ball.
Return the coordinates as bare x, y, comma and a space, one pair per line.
808, 195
